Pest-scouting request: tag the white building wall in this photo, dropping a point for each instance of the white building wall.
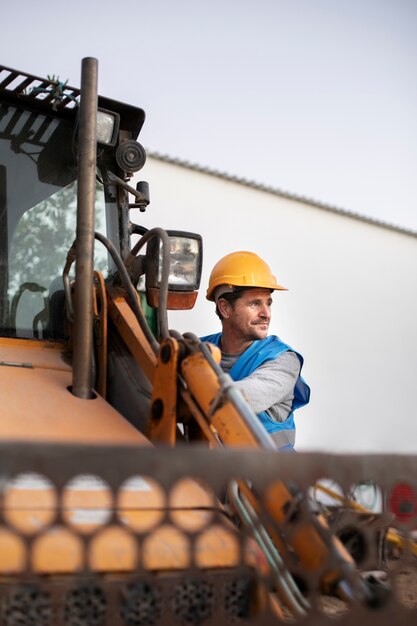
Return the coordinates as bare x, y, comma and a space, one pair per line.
351, 308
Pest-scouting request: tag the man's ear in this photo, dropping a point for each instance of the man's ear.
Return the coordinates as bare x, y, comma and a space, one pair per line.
223, 307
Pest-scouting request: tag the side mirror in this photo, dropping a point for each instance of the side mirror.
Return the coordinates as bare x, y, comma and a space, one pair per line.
186, 259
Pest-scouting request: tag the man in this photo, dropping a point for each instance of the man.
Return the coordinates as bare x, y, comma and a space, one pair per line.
265, 369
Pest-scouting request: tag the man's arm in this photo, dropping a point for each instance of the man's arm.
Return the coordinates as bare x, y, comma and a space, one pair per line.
271, 386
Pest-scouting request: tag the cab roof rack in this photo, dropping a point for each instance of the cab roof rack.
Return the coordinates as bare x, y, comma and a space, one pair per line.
46, 94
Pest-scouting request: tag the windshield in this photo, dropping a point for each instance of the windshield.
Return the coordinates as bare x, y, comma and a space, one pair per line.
38, 200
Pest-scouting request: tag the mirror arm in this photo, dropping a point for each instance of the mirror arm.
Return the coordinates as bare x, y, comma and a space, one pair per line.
141, 199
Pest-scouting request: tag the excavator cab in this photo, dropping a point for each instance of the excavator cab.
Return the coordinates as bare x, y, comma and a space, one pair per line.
39, 209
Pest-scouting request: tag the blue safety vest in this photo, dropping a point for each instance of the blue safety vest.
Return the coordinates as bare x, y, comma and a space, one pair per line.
258, 353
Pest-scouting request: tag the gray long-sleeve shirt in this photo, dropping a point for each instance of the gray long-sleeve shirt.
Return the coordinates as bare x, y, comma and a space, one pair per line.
270, 387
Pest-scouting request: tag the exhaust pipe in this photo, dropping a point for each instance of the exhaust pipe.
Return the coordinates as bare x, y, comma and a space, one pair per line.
84, 269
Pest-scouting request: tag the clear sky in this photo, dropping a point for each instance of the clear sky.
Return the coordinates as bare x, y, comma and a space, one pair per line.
314, 97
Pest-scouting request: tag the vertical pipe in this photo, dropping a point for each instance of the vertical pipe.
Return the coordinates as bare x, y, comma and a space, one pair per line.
84, 268
4, 255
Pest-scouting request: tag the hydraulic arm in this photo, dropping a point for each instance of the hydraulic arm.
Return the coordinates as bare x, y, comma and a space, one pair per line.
191, 390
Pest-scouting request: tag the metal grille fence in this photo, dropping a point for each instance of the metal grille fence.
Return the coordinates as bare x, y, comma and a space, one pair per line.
79, 500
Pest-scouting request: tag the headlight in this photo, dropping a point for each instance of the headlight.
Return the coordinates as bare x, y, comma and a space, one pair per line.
107, 127
185, 263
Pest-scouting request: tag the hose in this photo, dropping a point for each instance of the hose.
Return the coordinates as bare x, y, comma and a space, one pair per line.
163, 288
131, 292
285, 585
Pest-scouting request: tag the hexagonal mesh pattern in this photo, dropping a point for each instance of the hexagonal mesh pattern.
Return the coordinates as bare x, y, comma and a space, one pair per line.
193, 602
142, 605
130, 548
26, 606
237, 595
85, 606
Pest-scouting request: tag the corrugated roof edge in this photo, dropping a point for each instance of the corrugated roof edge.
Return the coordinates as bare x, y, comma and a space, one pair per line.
278, 192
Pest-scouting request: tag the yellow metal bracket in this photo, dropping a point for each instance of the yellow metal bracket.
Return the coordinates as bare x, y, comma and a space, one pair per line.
163, 422
128, 328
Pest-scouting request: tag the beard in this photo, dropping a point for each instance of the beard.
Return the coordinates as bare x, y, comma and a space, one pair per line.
257, 331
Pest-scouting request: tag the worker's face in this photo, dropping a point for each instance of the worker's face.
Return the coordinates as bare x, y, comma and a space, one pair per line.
249, 316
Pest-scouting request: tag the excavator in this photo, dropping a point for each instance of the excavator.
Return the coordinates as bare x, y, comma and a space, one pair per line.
137, 485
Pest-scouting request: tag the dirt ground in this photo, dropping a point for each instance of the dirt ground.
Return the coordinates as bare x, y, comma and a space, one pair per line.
404, 586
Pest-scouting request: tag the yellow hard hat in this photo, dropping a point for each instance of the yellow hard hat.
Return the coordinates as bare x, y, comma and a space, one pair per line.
241, 269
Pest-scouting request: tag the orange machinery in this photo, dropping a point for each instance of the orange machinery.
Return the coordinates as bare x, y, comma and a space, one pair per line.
89, 369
